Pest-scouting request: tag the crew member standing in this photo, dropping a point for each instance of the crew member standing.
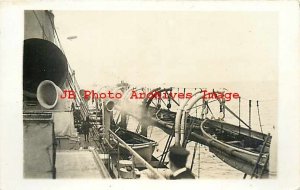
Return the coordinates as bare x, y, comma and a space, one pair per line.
86, 128
178, 157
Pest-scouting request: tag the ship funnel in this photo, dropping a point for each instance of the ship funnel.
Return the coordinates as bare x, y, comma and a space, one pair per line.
42, 60
110, 105
48, 95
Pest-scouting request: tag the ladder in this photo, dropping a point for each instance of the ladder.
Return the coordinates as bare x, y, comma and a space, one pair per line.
255, 168
187, 136
79, 101
167, 147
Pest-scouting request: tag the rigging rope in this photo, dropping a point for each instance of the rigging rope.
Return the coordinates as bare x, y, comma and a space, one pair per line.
239, 115
194, 153
57, 37
259, 117
44, 34
202, 104
250, 113
151, 131
199, 161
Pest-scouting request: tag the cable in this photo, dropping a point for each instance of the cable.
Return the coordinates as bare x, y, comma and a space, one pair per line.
40, 25
259, 117
199, 161
57, 37
69, 67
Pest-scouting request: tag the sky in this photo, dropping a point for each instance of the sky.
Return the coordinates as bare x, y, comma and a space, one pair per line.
169, 47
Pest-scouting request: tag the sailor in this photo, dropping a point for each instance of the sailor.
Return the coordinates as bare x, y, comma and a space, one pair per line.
178, 157
86, 128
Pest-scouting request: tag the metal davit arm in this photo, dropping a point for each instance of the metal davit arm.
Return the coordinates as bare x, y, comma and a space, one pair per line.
234, 114
228, 109
179, 117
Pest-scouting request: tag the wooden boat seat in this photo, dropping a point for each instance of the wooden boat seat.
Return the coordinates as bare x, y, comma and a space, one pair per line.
233, 142
249, 148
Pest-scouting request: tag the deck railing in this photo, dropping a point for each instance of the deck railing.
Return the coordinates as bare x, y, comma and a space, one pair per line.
79, 101
137, 156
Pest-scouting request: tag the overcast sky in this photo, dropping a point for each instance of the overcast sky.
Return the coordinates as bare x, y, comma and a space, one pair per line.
169, 47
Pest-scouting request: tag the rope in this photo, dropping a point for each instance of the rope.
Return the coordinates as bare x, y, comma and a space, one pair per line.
167, 146
202, 104
199, 162
239, 115
187, 133
250, 113
195, 111
210, 110
194, 153
153, 103
57, 37
44, 34
151, 131
161, 100
259, 117
69, 67
138, 128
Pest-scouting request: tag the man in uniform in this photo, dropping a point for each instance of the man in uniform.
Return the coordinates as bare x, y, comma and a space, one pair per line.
86, 129
178, 157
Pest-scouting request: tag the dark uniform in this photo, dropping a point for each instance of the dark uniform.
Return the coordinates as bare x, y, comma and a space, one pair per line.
187, 174
86, 129
178, 157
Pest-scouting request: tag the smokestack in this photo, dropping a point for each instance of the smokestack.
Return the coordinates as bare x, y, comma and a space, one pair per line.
42, 60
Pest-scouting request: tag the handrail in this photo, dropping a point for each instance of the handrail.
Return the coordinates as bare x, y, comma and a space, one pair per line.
136, 155
102, 169
75, 87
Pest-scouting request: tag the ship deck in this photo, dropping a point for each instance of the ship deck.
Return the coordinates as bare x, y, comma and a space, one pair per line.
79, 164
